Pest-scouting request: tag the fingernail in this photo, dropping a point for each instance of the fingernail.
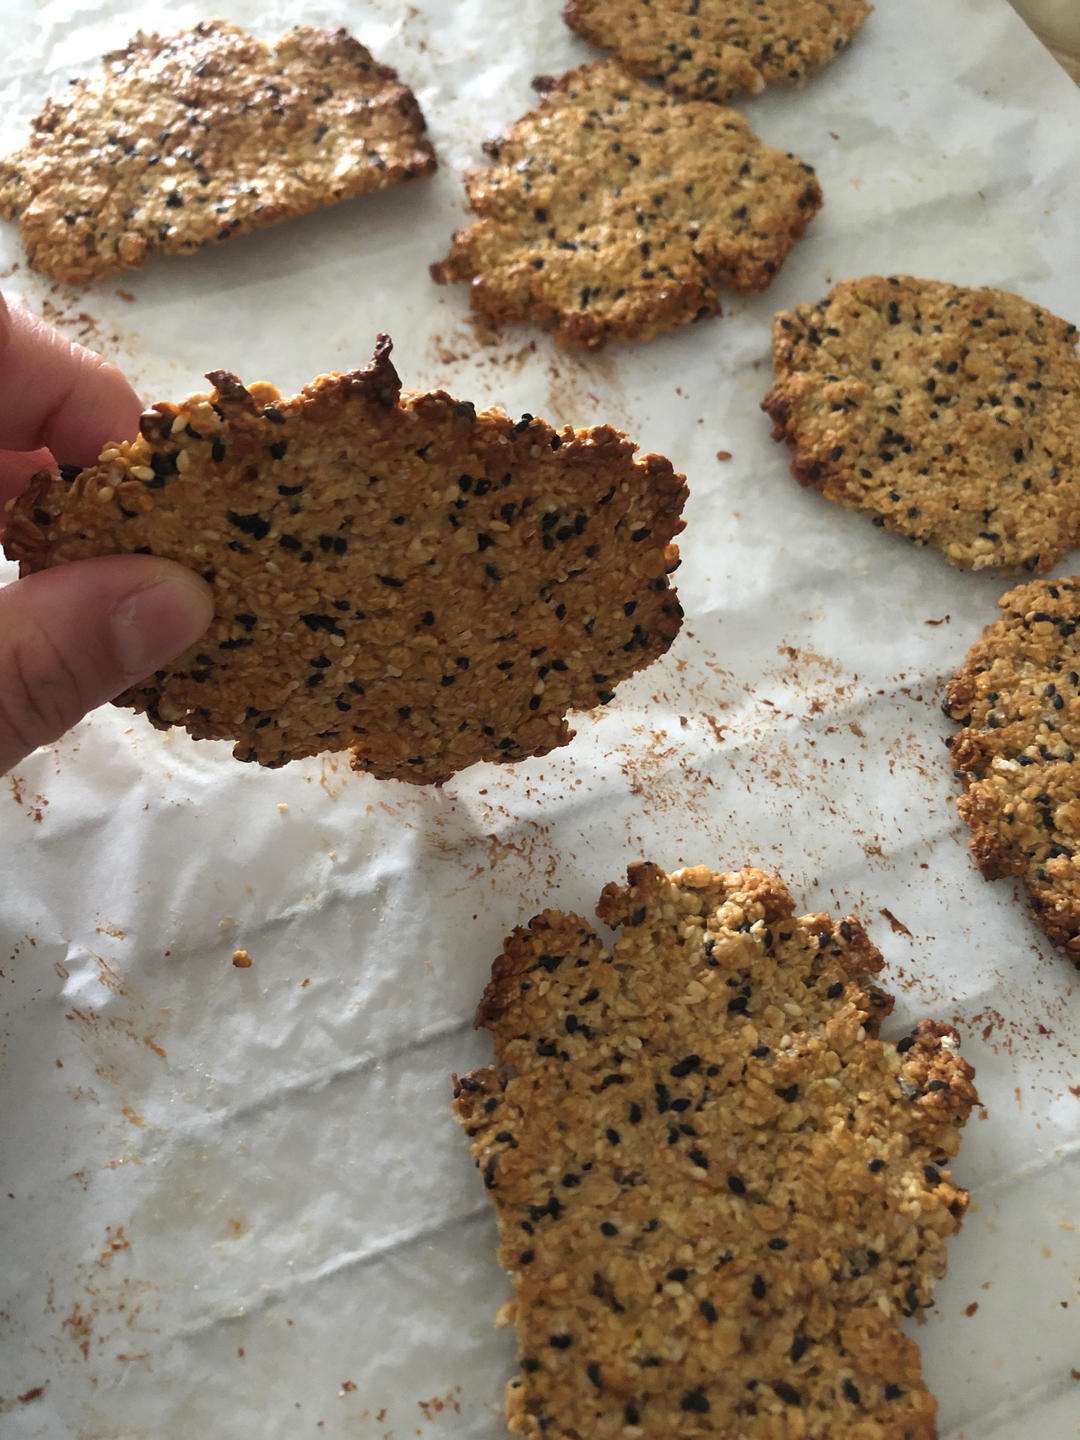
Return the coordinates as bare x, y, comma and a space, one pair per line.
153, 625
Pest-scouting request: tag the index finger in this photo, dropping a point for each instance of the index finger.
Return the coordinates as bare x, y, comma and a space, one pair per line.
58, 395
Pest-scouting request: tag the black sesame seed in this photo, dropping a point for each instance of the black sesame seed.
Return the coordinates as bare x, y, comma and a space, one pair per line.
253, 525
695, 1402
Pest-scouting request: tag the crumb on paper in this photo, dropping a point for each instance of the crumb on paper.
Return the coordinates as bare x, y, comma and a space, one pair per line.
723, 454
898, 926
241, 959
282, 807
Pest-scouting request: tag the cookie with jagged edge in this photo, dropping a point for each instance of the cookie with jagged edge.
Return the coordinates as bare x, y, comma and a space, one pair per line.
713, 49
717, 1189
1017, 697
394, 573
613, 210
949, 415
203, 135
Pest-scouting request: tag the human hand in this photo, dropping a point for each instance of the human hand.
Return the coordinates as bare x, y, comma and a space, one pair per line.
75, 636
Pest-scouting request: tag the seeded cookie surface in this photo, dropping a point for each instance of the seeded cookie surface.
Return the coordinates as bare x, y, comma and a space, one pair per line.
951, 416
1017, 698
614, 211
203, 135
717, 1190
713, 49
393, 573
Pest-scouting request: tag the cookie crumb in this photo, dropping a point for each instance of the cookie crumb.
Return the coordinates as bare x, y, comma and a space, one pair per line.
241, 959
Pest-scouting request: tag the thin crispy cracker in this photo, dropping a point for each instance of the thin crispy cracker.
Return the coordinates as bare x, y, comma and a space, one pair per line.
394, 573
1017, 698
613, 210
951, 415
713, 49
717, 1191
205, 135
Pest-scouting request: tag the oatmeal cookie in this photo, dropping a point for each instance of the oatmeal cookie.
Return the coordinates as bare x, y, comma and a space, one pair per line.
393, 572
717, 1189
615, 211
201, 136
951, 416
1017, 698
713, 49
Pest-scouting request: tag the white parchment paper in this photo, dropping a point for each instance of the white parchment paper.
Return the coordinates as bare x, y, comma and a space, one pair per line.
232, 1202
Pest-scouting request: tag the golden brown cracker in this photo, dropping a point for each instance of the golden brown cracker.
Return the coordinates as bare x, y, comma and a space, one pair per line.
615, 211
1017, 698
717, 1190
393, 573
950, 415
713, 49
201, 136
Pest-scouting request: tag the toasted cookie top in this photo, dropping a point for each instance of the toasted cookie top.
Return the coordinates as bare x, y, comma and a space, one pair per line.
203, 135
717, 1190
1017, 697
393, 573
614, 210
951, 415
713, 49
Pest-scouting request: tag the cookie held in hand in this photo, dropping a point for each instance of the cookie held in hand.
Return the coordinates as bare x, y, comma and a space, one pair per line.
717, 1190
393, 573
714, 49
951, 416
1017, 697
613, 211
201, 136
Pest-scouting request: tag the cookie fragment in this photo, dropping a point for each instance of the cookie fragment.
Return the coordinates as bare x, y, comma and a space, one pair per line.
393, 572
204, 135
951, 415
717, 1190
613, 210
1017, 697
713, 49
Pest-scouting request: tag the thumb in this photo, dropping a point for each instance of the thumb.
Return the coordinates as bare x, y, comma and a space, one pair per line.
75, 636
